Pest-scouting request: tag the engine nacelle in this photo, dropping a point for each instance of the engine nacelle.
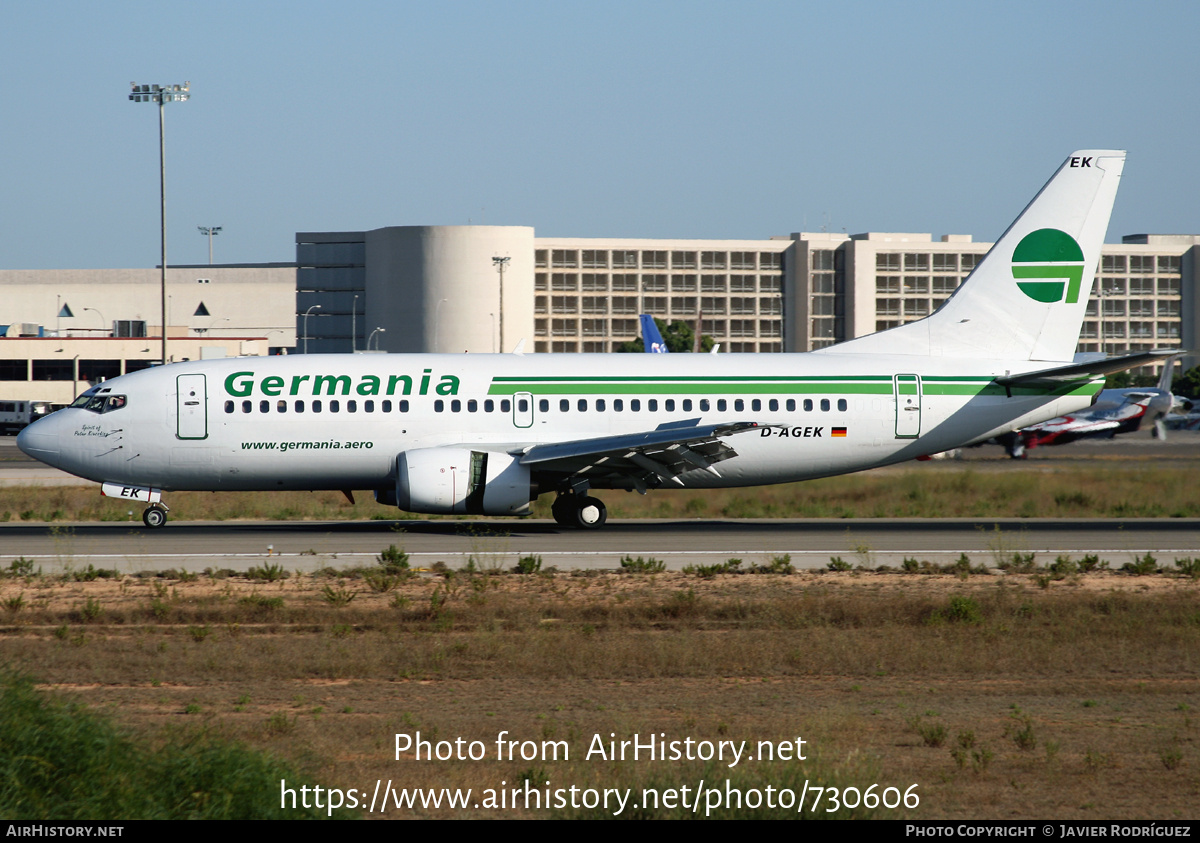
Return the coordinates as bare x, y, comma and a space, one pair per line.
460, 481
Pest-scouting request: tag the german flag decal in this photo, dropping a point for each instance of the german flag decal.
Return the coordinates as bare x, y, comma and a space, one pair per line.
837, 431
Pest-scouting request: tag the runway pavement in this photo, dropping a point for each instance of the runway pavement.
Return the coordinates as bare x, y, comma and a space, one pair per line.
129, 547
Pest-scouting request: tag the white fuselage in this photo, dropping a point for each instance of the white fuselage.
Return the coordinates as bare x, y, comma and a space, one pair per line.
340, 421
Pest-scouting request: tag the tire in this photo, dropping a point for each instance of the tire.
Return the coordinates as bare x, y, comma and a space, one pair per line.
563, 510
154, 517
590, 514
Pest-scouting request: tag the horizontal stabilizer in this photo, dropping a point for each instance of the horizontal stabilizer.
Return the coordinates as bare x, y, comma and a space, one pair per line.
1079, 371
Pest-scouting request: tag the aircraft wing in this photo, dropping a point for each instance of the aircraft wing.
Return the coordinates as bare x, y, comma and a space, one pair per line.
1072, 424
1089, 422
1079, 371
641, 460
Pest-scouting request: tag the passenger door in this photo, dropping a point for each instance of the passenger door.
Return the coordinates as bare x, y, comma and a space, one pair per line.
191, 394
907, 391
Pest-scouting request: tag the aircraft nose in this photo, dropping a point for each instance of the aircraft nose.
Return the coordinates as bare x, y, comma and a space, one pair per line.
40, 441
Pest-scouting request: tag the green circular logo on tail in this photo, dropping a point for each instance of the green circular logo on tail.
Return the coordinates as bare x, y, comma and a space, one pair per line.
1048, 263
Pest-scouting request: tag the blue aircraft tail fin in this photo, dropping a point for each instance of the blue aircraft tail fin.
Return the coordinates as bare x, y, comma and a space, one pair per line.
651, 337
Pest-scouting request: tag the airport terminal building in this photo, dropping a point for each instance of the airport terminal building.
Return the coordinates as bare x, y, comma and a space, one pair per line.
450, 288
476, 289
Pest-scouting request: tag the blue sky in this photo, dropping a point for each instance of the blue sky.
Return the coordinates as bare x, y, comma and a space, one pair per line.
613, 119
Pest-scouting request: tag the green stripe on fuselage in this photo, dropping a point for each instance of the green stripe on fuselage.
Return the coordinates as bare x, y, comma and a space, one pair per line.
766, 385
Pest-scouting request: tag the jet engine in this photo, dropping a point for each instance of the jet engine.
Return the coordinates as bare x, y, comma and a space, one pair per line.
460, 481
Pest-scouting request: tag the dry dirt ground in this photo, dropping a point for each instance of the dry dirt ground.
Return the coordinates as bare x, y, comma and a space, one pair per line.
1069, 698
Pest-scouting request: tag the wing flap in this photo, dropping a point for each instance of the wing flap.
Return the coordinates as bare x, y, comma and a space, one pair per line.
638, 460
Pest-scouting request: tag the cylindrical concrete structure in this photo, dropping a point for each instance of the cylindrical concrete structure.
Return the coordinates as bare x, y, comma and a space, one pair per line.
437, 288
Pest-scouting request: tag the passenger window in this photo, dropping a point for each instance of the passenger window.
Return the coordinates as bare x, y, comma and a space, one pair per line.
439, 406
523, 406
652, 405
335, 406
368, 406
842, 405
281, 406
774, 405
404, 405
722, 405
544, 405
489, 406
506, 406
386, 406
704, 405
456, 406
739, 405
791, 405
299, 406
687, 405
351, 406
563, 405
824, 405
583, 405
618, 405
669, 405
247, 406
472, 406
600, 405
316, 405
756, 405
635, 405
229, 406
808, 405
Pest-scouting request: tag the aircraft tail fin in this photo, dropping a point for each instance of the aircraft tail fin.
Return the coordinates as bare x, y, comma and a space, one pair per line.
1026, 299
651, 336
1168, 373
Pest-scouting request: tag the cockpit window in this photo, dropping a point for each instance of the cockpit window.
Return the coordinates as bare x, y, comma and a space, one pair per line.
100, 403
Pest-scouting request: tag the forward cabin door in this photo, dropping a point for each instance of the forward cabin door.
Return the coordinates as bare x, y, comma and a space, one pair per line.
907, 391
191, 395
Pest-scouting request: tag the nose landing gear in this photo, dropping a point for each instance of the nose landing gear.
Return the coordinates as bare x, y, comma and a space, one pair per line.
155, 515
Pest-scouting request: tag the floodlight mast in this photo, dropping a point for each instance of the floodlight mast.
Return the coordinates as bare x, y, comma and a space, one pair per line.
162, 94
501, 263
210, 231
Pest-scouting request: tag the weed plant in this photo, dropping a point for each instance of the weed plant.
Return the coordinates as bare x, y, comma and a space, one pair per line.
642, 566
62, 761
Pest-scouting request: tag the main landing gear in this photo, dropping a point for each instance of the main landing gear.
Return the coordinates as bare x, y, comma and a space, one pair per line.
155, 515
580, 511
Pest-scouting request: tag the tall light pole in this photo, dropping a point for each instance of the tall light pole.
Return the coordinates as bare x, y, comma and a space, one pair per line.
103, 324
500, 263
162, 94
211, 231
310, 310
373, 333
